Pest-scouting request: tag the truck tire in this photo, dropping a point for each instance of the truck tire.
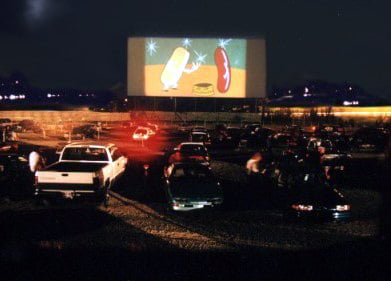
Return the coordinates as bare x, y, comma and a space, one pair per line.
106, 195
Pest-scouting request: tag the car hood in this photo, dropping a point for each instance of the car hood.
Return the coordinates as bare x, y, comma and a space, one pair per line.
194, 188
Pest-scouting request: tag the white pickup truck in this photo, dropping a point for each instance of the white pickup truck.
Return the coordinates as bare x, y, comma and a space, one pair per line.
84, 168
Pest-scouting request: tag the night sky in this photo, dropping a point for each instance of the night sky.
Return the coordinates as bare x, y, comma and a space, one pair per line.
82, 43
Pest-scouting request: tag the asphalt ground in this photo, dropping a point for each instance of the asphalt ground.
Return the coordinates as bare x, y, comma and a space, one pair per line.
137, 238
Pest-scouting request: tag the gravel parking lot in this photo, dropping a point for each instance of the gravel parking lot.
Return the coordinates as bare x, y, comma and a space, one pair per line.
136, 237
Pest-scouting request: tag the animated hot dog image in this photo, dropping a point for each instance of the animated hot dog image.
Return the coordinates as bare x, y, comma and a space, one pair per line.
174, 68
193, 67
223, 69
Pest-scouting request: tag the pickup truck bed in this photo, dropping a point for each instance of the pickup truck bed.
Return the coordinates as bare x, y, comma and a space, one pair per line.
75, 167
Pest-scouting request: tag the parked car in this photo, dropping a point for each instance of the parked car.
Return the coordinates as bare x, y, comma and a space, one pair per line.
369, 139
194, 149
191, 186
5, 123
305, 193
280, 144
234, 133
200, 137
15, 176
142, 134
84, 168
199, 129
256, 138
88, 130
316, 200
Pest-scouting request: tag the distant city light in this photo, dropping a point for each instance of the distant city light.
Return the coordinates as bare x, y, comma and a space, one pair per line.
13, 97
355, 102
1, 97
306, 90
350, 88
49, 95
17, 82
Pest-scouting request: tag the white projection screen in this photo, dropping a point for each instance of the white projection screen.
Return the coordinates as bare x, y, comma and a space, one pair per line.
196, 67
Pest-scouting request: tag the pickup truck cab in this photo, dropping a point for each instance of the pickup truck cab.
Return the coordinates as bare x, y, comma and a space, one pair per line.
84, 168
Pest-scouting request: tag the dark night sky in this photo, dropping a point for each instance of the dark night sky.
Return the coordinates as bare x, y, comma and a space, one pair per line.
82, 43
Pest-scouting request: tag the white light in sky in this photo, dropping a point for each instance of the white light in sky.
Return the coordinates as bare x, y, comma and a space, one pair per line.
186, 42
223, 43
151, 47
36, 10
200, 57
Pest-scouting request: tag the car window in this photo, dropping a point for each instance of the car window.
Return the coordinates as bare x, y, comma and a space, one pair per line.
141, 131
116, 154
85, 153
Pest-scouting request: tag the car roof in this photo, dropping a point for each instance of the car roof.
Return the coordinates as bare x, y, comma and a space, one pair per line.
198, 133
143, 127
190, 164
90, 143
192, 143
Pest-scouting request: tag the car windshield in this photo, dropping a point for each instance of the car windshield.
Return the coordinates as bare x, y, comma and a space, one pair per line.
194, 172
85, 153
199, 137
192, 148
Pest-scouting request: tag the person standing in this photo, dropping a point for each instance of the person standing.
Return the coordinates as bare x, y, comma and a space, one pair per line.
254, 170
252, 165
36, 161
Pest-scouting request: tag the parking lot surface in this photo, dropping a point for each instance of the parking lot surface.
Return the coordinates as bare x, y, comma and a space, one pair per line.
137, 237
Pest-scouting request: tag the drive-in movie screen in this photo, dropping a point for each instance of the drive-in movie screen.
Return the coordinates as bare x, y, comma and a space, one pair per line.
196, 67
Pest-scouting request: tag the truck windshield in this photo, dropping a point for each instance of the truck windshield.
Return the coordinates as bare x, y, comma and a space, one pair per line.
85, 153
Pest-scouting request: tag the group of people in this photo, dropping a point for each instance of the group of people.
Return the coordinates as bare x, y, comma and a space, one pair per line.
259, 165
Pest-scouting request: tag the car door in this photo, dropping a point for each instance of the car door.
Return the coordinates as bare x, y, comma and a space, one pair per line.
119, 161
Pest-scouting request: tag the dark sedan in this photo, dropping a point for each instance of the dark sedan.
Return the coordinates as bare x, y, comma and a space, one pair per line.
190, 187
311, 196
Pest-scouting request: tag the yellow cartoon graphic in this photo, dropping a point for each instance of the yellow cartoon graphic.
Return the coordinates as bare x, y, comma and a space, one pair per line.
174, 68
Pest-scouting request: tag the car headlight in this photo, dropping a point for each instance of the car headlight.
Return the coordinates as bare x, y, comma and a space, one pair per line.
301, 207
343, 208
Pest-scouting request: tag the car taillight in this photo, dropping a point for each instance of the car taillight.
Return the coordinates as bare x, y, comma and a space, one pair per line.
343, 208
300, 207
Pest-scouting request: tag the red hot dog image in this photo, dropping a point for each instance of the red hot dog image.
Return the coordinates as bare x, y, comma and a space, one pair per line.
223, 70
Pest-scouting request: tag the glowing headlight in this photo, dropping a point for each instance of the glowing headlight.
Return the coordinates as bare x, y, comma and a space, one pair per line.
300, 207
342, 208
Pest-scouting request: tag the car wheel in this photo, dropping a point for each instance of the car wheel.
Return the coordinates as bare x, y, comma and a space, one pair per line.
42, 202
106, 201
